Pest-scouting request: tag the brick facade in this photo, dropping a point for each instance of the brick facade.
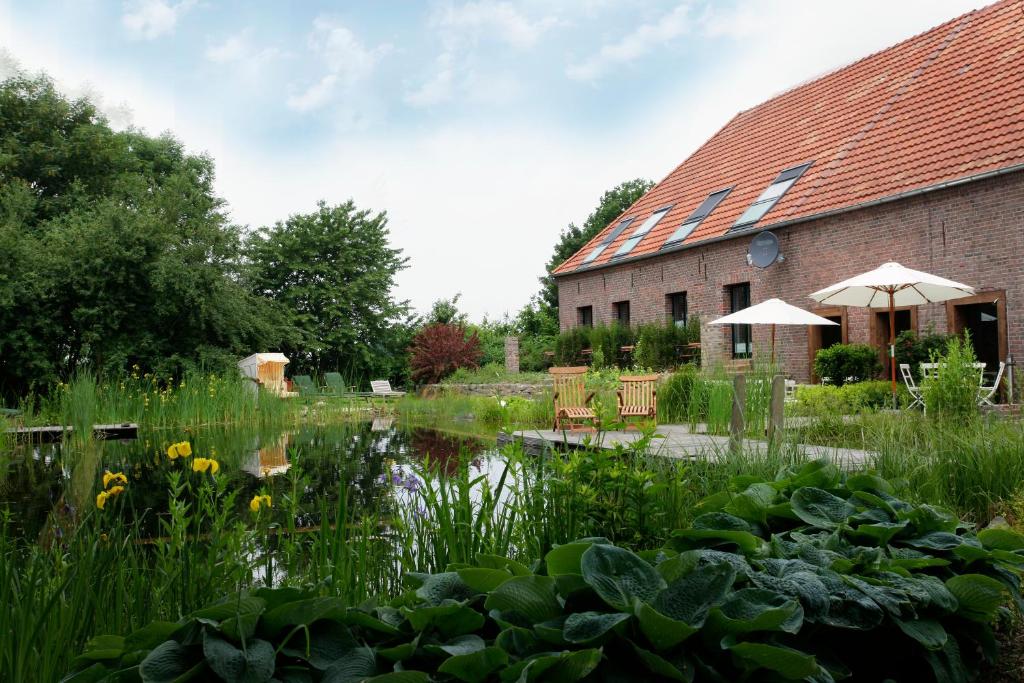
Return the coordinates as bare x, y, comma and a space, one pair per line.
972, 233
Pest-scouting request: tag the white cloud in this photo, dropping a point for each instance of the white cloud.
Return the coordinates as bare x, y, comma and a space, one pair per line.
439, 88
639, 42
149, 19
488, 19
348, 63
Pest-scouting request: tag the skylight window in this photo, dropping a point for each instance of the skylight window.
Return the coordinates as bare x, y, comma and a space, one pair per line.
771, 195
639, 233
608, 239
699, 214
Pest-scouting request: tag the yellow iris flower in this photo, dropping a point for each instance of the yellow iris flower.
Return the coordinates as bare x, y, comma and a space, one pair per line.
181, 449
204, 464
260, 501
115, 477
101, 499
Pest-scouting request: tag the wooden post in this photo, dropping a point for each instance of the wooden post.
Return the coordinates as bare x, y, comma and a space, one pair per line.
736, 426
776, 414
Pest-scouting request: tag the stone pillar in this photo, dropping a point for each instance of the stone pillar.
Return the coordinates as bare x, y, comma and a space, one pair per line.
512, 355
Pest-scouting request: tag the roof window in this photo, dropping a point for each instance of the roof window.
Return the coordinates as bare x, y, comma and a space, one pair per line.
639, 233
608, 239
771, 195
699, 214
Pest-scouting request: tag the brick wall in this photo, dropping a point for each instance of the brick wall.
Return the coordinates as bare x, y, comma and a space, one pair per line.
972, 233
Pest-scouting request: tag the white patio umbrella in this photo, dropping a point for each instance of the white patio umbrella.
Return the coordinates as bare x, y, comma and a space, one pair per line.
888, 286
772, 312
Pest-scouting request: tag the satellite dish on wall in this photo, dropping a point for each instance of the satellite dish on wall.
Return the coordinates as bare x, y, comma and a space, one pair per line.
764, 250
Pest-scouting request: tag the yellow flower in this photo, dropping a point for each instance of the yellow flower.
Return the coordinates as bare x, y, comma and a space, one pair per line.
204, 464
260, 501
172, 451
184, 449
101, 499
114, 490
109, 476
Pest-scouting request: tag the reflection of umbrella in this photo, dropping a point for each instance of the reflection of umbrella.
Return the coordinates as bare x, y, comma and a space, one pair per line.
888, 286
772, 312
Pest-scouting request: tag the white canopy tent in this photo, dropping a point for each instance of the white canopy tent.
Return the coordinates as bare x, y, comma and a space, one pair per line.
772, 312
888, 286
267, 369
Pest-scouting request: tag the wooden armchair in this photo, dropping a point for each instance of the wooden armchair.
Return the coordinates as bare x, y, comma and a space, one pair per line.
571, 398
638, 397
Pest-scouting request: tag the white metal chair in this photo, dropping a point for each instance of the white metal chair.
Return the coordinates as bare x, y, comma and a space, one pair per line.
908, 379
382, 387
985, 393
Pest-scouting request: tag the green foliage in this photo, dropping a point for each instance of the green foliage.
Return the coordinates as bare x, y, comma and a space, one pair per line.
789, 579
657, 345
848, 399
116, 251
914, 350
333, 270
613, 203
676, 393
952, 394
843, 363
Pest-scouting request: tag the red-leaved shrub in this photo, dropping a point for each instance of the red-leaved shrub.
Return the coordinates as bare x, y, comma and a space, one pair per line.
438, 350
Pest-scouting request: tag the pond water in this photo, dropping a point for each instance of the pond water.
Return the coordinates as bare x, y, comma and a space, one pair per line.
52, 485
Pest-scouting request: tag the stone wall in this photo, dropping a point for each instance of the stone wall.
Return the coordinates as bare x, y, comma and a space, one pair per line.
500, 389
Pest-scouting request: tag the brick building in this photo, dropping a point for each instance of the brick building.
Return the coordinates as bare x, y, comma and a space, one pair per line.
914, 154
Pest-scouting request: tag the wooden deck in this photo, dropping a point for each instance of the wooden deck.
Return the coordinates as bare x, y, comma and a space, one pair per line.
50, 434
678, 442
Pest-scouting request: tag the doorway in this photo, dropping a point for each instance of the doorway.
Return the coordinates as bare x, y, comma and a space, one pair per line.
984, 317
905, 318
824, 336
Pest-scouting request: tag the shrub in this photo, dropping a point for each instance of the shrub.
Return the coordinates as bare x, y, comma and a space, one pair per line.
858, 362
812, 576
570, 344
849, 398
914, 350
676, 394
953, 392
440, 349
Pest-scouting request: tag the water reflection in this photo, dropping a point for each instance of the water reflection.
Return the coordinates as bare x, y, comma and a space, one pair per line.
49, 487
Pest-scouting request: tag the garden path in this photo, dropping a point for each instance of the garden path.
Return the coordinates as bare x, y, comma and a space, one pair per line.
678, 442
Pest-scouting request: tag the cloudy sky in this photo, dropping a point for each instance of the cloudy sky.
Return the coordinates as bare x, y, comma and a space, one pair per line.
481, 127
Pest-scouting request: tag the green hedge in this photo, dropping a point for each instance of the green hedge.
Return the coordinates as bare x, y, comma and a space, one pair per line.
814, 576
842, 361
849, 398
655, 344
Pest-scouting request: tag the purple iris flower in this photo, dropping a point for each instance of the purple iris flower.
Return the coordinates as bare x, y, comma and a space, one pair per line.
382, 478
396, 478
411, 484
420, 512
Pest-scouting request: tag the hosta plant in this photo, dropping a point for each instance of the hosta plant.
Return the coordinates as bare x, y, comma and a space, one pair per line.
814, 576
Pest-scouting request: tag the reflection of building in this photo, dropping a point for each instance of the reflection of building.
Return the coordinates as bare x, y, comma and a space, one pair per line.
912, 154
269, 460
266, 370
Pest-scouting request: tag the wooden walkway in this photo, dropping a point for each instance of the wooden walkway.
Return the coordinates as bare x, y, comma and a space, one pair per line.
678, 442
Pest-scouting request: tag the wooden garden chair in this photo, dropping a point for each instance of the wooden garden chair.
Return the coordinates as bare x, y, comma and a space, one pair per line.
571, 398
638, 397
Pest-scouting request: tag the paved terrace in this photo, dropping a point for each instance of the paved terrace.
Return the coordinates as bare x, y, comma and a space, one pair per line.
679, 442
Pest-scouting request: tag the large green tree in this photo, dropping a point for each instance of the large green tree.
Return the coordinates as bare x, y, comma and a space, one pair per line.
334, 271
115, 249
572, 239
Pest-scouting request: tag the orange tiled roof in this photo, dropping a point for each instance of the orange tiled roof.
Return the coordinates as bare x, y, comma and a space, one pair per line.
945, 105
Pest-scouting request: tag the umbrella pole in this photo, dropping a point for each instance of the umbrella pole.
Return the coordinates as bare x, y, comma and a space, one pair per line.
773, 343
892, 345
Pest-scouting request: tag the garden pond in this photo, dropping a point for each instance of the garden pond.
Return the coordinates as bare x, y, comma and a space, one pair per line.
51, 485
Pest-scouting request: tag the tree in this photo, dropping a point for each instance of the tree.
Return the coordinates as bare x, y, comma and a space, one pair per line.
334, 271
446, 312
439, 349
116, 251
613, 203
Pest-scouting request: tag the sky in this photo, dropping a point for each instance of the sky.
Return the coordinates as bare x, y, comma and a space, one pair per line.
482, 128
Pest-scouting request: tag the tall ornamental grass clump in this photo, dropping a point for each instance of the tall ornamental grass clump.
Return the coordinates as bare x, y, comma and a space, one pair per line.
952, 393
811, 576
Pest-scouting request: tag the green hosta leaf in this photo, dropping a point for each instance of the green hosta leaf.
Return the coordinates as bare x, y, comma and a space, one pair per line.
387, 624
531, 597
476, 666
482, 579
619, 576
663, 632
400, 652
498, 562
517, 641
234, 607
713, 503
301, 612
167, 662
868, 482
752, 503
820, 508
802, 585
947, 665
788, 663
328, 642
437, 588
935, 540
92, 674
399, 677
255, 664
689, 598
565, 559
928, 632
551, 632
678, 566
450, 620
720, 521
1001, 539
881, 533
357, 666
692, 538
662, 667
149, 636
103, 647
756, 609
822, 474
585, 627
978, 595
561, 668
928, 518
463, 645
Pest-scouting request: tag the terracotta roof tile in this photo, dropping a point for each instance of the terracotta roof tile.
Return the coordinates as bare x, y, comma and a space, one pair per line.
942, 106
